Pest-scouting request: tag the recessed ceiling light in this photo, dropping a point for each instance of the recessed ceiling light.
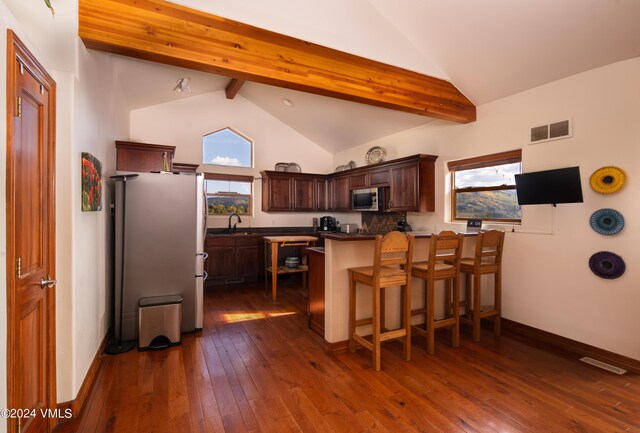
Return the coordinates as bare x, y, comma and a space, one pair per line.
287, 102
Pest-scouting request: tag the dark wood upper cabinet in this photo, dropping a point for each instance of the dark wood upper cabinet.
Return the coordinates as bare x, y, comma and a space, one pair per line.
142, 157
340, 194
304, 194
359, 180
403, 191
323, 197
409, 185
293, 192
276, 192
379, 177
180, 167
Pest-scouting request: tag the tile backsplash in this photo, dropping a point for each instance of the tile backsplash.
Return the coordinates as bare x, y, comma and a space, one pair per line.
381, 223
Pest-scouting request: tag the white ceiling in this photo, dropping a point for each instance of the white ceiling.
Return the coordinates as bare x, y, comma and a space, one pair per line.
488, 49
333, 124
149, 83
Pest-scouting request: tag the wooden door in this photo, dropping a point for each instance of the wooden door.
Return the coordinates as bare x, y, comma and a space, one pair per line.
30, 239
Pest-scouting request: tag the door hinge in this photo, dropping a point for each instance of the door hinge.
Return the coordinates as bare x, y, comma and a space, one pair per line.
41, 89
19, 108
19, 267
21, 68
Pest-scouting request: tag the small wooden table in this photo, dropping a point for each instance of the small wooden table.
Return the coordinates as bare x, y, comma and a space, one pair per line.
283, 241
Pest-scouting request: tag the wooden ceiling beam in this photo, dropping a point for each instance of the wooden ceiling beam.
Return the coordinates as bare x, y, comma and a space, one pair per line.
233, 87
164, 32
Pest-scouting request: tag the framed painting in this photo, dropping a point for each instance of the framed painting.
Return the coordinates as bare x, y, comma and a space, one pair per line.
91, 183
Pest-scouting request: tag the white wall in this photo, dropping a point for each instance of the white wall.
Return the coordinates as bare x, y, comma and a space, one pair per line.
547, 281
182, 123
89, 118
99, 118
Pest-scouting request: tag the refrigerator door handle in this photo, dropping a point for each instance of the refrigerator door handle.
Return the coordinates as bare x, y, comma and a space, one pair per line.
205, 256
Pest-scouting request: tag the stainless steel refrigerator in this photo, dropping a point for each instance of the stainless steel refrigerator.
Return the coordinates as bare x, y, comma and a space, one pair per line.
160, 225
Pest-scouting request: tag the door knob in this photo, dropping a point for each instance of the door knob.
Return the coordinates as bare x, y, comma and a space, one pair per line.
48, 282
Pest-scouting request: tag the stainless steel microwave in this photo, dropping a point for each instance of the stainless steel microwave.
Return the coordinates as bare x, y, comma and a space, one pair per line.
368, 199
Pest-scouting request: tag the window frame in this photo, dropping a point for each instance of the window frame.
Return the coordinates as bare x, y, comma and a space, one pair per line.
233, 178
235, 131
509, 157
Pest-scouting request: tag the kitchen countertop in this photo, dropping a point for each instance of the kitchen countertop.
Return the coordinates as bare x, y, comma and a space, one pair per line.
369, 237
263, 231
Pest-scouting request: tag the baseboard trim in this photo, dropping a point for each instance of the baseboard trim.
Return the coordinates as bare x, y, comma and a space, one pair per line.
337, 347
76, 405
558, 343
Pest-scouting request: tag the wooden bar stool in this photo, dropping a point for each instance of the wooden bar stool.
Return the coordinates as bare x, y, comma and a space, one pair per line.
391, 267
445, 250
487, 260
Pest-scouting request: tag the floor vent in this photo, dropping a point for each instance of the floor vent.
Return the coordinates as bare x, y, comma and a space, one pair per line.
551, 131
603, 365
236, 280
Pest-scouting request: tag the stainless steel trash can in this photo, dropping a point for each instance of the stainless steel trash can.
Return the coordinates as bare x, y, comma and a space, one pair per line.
159, 322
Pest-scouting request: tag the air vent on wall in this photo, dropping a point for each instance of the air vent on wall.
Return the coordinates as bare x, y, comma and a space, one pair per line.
551, 131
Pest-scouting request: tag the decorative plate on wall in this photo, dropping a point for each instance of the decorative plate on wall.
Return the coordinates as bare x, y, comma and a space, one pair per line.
607, 221
607, 180
606, 264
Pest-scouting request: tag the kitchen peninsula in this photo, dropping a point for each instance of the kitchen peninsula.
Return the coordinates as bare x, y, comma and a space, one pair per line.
343, 251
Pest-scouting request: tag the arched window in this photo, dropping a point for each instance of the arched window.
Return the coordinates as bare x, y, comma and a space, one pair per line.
227, 147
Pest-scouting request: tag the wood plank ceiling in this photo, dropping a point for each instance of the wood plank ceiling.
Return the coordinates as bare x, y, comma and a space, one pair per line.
164, 32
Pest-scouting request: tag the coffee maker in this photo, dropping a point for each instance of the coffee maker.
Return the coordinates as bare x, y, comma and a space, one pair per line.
327, 224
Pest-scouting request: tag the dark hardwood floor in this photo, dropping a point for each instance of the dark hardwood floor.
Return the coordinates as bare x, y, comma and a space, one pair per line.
256, 367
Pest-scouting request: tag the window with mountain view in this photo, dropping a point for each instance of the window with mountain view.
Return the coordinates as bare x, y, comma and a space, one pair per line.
228, 194
484, 187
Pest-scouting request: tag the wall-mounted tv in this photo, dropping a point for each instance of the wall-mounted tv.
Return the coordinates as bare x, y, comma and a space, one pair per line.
549, 187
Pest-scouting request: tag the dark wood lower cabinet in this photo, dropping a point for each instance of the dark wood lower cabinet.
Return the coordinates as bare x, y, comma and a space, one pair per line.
233, 259
249, 260
316, 290
240, 258
220, 264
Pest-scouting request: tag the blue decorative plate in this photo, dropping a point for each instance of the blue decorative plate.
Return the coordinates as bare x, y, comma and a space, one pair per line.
606, 264
607, 221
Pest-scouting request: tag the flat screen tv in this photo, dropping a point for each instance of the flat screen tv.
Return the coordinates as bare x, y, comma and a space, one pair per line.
549, 187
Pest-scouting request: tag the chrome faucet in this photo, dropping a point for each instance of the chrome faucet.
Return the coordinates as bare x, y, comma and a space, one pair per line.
229, 228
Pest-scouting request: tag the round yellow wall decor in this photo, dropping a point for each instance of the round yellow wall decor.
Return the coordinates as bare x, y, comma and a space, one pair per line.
607, 180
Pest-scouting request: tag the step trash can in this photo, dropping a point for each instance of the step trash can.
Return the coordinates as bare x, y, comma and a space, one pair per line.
159, 322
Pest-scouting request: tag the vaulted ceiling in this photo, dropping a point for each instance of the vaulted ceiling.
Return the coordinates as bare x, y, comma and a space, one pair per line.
487, 49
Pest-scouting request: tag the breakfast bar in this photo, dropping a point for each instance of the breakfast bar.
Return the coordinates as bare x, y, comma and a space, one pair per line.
344, 251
